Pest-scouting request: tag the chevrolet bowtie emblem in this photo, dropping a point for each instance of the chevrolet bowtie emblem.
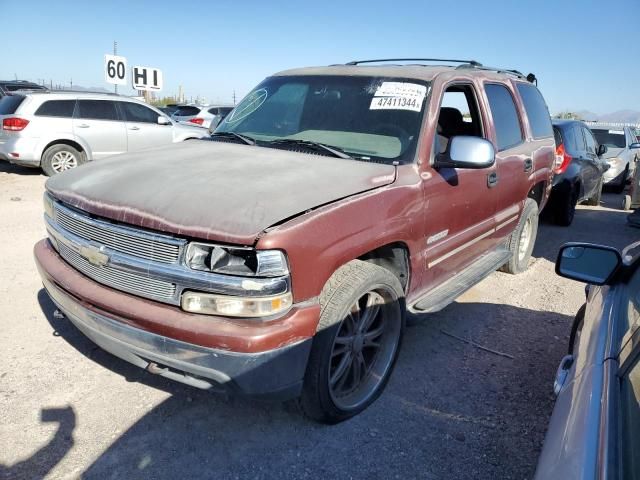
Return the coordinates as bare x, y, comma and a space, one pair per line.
94, 256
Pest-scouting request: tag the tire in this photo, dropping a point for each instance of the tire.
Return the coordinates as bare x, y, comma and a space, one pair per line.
521, 253
623, 182
59, 158
566, 208
626, 202
597, 197
331, 391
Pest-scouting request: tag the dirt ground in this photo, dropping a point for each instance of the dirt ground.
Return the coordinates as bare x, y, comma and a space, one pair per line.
450, 411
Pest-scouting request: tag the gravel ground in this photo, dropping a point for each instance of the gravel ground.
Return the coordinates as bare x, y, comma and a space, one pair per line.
451, 410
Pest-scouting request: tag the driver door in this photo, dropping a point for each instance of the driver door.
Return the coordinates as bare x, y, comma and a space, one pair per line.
143, 130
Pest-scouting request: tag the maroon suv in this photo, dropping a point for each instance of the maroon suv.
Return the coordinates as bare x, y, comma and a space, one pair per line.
279, 257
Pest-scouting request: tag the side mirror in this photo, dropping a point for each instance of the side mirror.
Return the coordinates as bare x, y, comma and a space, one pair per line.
602, 149
467, 152
593, 264
162, 120
634, 146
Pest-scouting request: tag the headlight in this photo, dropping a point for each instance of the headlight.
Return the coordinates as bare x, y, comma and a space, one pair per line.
615, 162
228, 306
48, 205
236, 261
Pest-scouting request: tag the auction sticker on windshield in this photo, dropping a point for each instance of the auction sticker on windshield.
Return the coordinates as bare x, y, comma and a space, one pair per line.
398, 96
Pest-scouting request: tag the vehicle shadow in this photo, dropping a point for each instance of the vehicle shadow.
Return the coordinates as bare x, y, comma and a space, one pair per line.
448, 401
590, 224
10, 168
47, 457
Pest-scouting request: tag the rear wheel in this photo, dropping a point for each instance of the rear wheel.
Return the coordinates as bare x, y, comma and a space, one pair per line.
626, 202
357, 342
520, 243
566, 208
59, 158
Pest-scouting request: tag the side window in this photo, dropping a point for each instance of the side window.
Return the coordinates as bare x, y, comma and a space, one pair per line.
97, 110
591, 142
578, 135
458, 116
536, 109
56, 108
138, 113
505, 116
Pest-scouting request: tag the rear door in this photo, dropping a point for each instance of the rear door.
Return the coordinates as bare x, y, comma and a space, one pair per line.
513, 159
98, 123
593, 167
143, 130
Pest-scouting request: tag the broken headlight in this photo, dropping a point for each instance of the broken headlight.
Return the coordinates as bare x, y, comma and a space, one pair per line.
236, 260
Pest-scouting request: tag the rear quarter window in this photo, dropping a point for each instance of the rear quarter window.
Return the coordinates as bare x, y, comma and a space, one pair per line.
57, 108
505, 116
536, 109
10, 103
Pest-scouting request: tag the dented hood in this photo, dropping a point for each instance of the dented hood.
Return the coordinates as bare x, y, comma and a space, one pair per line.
213, 190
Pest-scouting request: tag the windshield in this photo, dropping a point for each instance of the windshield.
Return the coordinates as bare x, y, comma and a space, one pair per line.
367, 118
610, 138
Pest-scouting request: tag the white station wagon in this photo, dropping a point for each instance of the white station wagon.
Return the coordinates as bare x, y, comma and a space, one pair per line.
61, 130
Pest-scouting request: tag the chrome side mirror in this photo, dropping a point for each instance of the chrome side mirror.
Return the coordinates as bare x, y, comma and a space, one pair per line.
467, 152
593, 264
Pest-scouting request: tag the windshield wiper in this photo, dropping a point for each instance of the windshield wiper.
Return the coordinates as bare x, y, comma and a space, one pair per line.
243, 138
335, 151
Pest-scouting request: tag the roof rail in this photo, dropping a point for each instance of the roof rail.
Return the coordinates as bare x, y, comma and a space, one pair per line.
530, 78
68, 90
469, 62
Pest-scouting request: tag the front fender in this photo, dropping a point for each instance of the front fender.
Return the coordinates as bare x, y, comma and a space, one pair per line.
320, 241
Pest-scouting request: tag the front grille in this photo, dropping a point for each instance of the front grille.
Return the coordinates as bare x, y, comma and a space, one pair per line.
122, 280
142, 245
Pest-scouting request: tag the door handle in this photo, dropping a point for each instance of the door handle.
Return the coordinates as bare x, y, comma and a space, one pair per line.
83, 125
134, 128
492, 179
528, 165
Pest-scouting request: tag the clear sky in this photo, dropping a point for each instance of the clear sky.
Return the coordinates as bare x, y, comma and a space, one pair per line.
585, 53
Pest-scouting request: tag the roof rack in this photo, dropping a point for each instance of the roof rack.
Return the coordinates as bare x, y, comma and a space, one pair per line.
531, 78
67, 90
469, 62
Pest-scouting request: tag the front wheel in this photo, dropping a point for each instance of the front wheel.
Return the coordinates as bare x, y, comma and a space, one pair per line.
357, 342
520, 243
597, 197
59, 158
623, 182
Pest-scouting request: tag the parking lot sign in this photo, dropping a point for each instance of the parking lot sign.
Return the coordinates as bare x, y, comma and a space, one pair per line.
146, 78
115, 69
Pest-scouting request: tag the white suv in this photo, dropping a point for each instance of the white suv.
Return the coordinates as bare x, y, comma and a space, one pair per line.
61, 130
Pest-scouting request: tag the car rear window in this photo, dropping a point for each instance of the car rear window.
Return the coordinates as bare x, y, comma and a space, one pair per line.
97, 109
187, 111
536, 109
610, 137
57, 108
10, 103
505, 116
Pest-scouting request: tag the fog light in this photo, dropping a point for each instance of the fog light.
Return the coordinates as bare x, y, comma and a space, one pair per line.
212, 304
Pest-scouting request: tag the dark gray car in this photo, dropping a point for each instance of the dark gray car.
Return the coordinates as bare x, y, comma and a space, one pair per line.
595, 425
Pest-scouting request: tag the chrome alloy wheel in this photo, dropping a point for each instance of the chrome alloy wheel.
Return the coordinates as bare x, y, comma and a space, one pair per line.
364, 348
525, 239
63, 160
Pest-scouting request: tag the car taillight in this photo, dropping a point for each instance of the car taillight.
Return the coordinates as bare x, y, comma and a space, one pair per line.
14, 124
563, 159
197, 121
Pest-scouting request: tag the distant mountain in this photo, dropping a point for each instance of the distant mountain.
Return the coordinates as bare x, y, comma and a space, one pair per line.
621, 116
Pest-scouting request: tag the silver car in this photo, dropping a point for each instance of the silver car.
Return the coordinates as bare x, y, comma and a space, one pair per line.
61, 130
207, 116
622, 154
594, 431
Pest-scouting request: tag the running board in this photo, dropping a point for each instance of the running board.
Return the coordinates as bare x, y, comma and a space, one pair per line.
441, 296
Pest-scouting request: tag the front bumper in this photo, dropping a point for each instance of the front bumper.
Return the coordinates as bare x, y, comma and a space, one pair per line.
269, 359
614, 176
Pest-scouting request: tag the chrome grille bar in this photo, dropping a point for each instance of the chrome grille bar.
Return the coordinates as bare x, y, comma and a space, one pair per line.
137, 243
